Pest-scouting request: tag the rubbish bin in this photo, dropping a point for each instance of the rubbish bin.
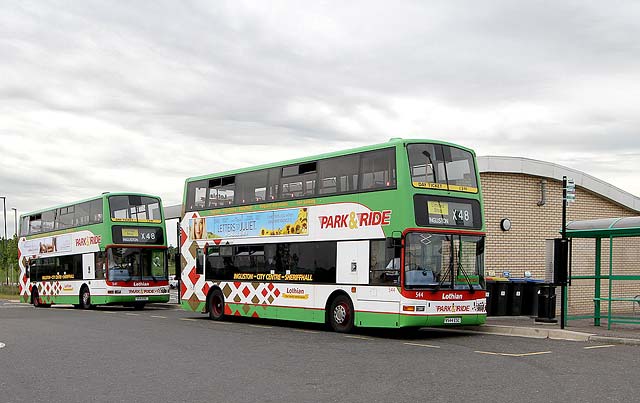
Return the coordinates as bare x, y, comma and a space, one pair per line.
547, 303
516, 296
501, 298
530, 297
490, 290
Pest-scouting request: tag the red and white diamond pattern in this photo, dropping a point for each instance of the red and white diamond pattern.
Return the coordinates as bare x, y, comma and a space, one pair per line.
191, 282
250, 293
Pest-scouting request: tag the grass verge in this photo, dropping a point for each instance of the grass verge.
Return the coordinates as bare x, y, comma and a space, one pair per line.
8, 292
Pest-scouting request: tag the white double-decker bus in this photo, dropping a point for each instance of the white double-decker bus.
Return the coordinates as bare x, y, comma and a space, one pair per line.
110, 249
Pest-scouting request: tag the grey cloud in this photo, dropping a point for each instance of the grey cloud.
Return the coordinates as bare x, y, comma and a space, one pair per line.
174, 89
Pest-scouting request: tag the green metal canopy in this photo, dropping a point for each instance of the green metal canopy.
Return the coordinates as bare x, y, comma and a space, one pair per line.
604, 228
600, 229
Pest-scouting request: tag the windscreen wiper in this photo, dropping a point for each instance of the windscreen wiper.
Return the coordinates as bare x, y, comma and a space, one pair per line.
466, 277
449, 273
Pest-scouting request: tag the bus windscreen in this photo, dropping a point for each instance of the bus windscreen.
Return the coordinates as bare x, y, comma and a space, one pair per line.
436, 166
131, 208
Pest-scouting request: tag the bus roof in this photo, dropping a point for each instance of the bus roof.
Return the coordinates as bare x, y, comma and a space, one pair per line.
393, 142
103, 195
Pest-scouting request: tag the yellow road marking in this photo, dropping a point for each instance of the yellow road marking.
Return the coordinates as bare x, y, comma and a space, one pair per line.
603, 346
514, 355
421, 345
261, 326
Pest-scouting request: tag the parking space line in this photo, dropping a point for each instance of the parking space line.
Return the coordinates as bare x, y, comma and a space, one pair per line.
188, 319
602, 346
421, 345
305, 331
132, 314
536, 353
261, 326
158, 316
358, 337
514, 354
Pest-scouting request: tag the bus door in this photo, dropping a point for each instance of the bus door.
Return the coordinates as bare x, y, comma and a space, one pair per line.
88, 266
353, 262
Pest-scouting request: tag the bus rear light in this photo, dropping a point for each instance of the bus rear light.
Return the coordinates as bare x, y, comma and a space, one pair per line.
353, 289
408, 308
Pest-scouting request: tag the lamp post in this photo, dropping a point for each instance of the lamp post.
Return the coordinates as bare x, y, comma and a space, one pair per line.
15, 228
15, 220
4, 242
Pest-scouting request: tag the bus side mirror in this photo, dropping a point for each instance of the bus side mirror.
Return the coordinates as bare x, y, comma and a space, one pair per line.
393, 243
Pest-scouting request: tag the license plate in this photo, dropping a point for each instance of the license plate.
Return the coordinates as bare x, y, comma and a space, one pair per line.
142, 298
452, 321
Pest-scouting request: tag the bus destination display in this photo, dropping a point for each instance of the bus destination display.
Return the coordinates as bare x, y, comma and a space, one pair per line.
446, 214
137, 235
432, 211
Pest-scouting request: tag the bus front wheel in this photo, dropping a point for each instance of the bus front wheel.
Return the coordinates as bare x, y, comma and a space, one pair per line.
216, 305
341, 314
85, 298
36, 301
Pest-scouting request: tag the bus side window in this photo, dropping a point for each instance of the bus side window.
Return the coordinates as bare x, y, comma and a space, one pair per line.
100, 266
384, 266
199, 261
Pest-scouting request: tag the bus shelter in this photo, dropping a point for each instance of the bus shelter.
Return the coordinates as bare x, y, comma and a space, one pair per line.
617, 240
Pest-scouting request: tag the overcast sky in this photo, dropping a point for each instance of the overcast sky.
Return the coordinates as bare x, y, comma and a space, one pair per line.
136, 96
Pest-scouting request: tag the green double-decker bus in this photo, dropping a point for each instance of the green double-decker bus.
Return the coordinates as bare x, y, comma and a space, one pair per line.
109, 249
388, 235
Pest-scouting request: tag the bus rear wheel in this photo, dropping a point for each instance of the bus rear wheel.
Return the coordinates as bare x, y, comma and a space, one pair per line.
341, 314
216, 305
85, 298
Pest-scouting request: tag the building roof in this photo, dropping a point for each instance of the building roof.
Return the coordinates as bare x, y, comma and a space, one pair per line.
550, 170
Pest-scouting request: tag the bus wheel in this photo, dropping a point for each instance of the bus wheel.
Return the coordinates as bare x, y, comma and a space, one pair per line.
138, 306
35, 298
341, 314
85, 298
216, 305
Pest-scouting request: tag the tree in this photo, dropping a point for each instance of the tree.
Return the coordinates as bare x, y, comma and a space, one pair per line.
9, 267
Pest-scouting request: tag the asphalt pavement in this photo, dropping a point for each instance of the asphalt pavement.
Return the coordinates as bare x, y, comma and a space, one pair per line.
575, 330
525, 326
166, 354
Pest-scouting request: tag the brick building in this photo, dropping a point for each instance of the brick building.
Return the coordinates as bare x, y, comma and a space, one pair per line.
529, 194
